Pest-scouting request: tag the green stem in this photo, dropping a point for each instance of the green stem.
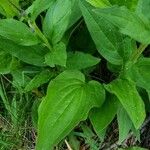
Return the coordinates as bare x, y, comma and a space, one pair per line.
40, 34
137, 53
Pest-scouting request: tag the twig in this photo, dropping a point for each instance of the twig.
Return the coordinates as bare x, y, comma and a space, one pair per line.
68, 146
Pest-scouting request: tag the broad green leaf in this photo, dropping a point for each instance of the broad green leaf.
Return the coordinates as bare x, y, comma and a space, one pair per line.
58, 56
38, 6
68, 101
104, 34
57, 20
131, 4
142, 8
99, 3
5, 62
124, 123
29, 54
39, 79
75, 13
140, 73
102, 117
128, 22
18, 32
8, 7
126, 92
79, 61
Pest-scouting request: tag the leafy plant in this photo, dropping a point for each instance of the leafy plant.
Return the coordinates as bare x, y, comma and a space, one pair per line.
38, 53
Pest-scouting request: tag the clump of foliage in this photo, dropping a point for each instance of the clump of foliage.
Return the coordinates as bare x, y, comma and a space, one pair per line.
66, 61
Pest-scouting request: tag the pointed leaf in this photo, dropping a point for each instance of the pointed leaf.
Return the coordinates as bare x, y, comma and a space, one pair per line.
29, 54
18, 32
128, 22
124, 123
140, 73
39, 79
68, 101
57, 57
38, 6
79, 60
102, 117
104, 34
57, 20
75, 13
126, 92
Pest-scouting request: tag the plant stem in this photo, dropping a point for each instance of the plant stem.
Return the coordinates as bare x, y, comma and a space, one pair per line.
137, 53
40, 34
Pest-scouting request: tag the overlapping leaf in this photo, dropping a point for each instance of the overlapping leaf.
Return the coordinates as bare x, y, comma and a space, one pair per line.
18, 32
38, 6
140, 73
126, 92
128, 22
104, 34
57, 20
67, 102
79, 60
58, 56
102, 117
29, 54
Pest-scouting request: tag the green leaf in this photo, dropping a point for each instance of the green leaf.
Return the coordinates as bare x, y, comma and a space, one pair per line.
102, 117
129, 4
39, 79
57, 57
140, 73
8, 7
99, 3
142, 8
2, 12
5, 62
128, 22
57, 20
79, 61
126, 92
37, 7
75, 13
18, 32
125, 124
104, 34
128, 46
29, 54
68, 101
